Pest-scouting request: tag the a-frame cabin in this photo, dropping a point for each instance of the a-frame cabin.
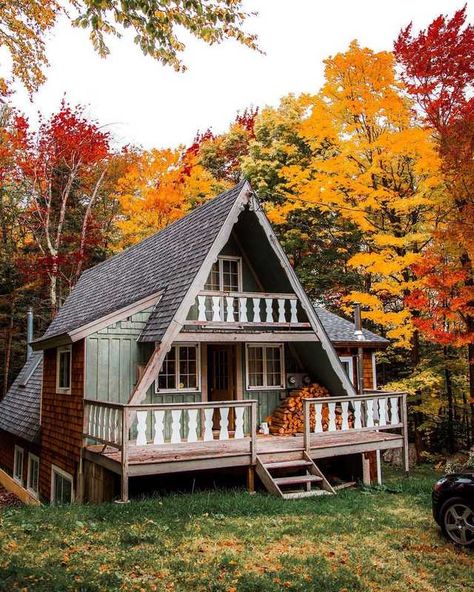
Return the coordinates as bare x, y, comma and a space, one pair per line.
172, 355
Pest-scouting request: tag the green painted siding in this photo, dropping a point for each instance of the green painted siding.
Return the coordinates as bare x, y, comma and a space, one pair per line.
112, 357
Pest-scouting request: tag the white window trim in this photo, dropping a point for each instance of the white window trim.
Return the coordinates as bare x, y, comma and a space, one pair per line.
374, 372
15, 467
32, 457
178, 391
282, 366
349, 360
65, 475
64, 391
221, 258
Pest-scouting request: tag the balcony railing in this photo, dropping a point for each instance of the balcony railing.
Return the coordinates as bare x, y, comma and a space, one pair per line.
247, 308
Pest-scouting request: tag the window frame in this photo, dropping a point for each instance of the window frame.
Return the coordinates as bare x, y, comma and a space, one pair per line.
220, 260
32, 458
55, 470
20, 450
349, 360
177, 390
59, 351
265, 386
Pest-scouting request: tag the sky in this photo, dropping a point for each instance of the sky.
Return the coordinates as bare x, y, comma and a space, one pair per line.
145, 103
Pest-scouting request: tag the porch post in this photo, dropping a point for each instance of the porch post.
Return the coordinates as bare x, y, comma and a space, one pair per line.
125, 431
406, 462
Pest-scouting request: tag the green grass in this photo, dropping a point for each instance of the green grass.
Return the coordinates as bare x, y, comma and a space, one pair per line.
380, 539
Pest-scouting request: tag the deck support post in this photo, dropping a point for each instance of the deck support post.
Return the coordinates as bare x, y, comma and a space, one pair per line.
366, 469
406, 461
251, 479
124, 463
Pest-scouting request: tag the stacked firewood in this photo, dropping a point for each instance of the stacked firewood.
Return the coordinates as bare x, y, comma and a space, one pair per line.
288, 418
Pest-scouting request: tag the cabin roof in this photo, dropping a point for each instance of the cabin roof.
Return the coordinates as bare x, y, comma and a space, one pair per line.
20, 408
167, 261
342, 331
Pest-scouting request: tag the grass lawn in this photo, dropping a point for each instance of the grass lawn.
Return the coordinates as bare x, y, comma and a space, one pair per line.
364, 539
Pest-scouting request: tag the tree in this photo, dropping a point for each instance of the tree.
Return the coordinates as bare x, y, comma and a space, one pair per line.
65, 169
438, 70
156, 24
372, 166
159, 187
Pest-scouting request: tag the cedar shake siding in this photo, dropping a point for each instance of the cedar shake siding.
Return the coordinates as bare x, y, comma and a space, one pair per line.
368, 365
62, 417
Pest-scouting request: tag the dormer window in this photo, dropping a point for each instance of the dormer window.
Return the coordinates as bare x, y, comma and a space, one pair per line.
226, 275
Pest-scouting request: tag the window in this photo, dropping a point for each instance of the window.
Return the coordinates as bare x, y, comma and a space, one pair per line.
63, 377
265, 367
18, 459
33, 474
180, 370
348, 365
62, 491
225, 275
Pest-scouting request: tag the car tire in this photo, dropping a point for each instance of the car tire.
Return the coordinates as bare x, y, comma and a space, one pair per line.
457, 521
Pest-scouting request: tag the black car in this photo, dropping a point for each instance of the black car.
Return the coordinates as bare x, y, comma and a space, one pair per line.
453, 507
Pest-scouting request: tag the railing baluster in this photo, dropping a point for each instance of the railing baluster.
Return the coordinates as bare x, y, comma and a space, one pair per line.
293, 310
369, 413
230, 309
216, 309
269, 310
394, 415
332, 417
256, 310
208, 435
243, 310
224, 417
202, 308
345, 415
192, 425
357, 415
318, 418
382, 412
281, 310
175, 426
141, 428
159, 427
239, 422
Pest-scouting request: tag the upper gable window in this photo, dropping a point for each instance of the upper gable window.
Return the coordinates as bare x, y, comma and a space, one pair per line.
63, 371
226, 275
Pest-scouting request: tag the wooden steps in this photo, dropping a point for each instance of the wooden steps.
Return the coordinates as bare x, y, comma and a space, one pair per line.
294, 478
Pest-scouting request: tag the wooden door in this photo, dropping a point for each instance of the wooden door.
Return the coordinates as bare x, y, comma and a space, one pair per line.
221, 372
221, 378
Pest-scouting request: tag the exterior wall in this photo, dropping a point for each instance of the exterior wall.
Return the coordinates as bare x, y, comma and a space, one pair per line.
62, 417
368, 365
7, 451
112, 359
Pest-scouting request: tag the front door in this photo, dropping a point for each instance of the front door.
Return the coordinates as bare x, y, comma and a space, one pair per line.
221, 372
221, 378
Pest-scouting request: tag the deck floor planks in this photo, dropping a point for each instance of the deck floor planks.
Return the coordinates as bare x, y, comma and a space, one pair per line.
230, 449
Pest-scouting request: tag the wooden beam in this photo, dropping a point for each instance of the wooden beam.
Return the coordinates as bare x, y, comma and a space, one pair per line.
13, 487
256, 336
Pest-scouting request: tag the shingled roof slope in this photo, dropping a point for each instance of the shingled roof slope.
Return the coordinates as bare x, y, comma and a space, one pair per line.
341, 330
167, 260
20, 408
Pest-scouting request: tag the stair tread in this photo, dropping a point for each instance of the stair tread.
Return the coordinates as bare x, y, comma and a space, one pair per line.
287, 464
303, 494
297, 479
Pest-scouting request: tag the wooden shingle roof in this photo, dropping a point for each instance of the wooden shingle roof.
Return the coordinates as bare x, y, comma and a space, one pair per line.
342, 331
20, 408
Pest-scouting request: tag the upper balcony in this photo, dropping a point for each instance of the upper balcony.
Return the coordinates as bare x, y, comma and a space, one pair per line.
244, 309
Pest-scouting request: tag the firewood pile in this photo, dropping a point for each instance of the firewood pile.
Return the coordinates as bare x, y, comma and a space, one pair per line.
288, 418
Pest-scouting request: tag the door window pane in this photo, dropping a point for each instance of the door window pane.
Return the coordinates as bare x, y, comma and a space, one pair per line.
255, 361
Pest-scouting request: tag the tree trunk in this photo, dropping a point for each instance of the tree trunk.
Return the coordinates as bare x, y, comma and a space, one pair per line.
8, 350
470, 360
450, 396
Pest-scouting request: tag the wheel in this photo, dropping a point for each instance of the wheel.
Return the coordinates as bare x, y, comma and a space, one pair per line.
457, 521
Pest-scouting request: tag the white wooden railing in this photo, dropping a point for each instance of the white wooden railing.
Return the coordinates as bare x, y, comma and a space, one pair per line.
375, 410
247, 308
169, 423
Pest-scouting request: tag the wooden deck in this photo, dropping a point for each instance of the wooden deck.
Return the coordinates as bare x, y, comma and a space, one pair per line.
174, 458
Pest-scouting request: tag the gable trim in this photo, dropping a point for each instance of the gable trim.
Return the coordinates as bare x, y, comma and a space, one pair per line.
98, 324
156, 360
